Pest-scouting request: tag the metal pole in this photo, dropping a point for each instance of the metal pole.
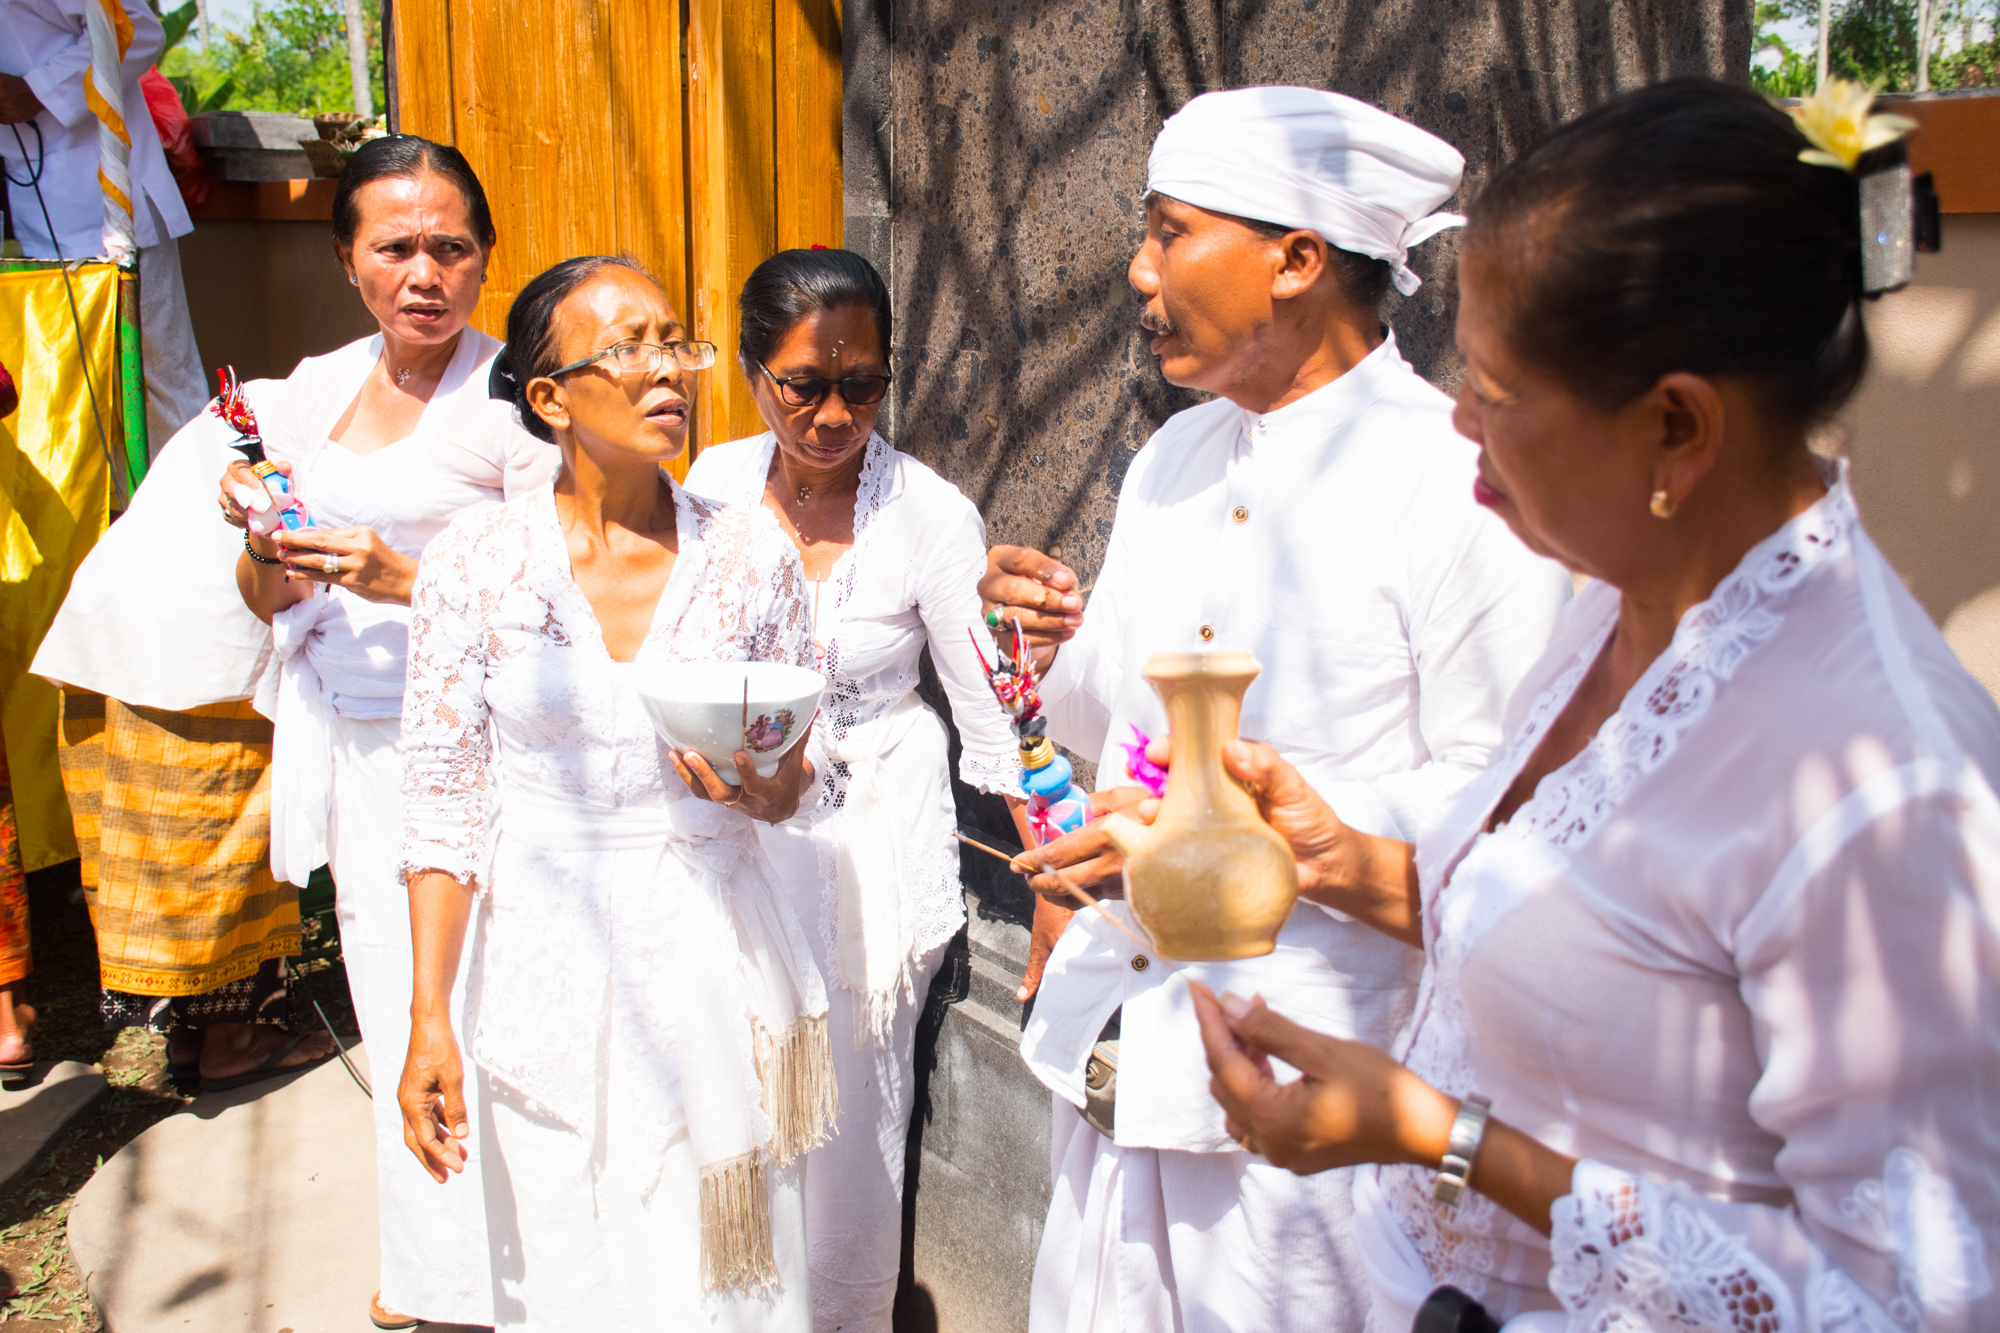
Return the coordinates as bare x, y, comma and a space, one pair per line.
1825, 27
1923, 46
131, 379
357, 60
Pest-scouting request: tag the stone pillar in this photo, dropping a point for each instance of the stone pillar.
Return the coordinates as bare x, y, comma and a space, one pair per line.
995, 167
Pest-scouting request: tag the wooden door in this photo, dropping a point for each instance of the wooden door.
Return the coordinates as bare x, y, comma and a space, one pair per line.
699, 136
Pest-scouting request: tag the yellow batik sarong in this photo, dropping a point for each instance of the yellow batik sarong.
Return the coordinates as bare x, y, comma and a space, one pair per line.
173, 813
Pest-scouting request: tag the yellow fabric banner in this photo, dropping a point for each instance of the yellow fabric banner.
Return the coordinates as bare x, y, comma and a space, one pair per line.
55, 495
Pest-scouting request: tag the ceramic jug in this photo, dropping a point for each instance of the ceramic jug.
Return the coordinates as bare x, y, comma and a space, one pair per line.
1208, 879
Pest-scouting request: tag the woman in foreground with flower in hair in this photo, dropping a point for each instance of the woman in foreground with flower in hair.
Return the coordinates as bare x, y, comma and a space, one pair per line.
1716, 935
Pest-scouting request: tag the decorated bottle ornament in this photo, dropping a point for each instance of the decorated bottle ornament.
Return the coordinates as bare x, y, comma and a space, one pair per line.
292, 512
1056, 805
233, 408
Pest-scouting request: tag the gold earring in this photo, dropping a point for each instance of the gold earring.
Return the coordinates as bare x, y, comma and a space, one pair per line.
1662, 505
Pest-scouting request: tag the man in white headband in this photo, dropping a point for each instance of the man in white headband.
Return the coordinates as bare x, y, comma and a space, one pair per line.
1319, 514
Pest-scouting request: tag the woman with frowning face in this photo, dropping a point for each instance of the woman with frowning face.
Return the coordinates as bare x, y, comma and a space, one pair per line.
385, 441
651, 1057
1712, 952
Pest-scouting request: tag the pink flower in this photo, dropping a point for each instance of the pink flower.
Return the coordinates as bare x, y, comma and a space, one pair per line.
1141, 769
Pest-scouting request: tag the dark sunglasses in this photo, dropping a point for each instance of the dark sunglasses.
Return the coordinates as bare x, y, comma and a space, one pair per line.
811, 390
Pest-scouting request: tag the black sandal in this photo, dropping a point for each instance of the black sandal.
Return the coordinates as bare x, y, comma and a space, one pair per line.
271, 1066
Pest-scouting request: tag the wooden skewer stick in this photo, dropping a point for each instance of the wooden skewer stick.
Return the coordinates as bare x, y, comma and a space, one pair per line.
1021, 867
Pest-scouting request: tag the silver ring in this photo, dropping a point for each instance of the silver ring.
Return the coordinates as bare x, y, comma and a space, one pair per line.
333, 564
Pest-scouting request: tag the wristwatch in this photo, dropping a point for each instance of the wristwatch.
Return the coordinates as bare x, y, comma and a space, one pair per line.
1468, 1127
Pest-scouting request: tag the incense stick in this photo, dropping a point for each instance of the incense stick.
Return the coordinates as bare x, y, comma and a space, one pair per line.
1021, 867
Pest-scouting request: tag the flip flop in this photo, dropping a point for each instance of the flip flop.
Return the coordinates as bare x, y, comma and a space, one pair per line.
271, 1066
22, 1071
385, 1318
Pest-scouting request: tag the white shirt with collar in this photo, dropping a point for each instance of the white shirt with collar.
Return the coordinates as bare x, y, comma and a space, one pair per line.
1337, 540
47, 43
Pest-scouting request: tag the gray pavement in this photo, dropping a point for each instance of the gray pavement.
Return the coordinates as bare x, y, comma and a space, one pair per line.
251, 1211
32, 1116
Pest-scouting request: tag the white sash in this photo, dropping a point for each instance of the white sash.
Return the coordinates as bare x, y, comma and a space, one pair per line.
876, 922
750, 1063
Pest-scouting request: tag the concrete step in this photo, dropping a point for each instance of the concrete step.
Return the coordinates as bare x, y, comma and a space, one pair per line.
992, 989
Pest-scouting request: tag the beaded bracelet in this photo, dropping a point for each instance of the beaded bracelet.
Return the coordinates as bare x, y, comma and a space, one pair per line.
251, 551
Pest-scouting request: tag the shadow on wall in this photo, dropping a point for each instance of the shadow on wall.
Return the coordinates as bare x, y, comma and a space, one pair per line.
1015, 141
1922, 437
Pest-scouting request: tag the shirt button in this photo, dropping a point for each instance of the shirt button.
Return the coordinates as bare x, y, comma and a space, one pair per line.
1240, 514
1140, 962
1207, 633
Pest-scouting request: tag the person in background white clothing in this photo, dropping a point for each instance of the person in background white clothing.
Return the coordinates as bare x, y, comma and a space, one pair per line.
1319, 514
48, 132
893, 553
1718, 933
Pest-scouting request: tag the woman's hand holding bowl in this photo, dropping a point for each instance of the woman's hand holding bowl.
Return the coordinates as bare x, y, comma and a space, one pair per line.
772, 800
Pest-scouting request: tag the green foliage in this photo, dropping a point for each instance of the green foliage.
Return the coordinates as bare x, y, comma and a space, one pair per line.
176, 23
291, 57
1875, 42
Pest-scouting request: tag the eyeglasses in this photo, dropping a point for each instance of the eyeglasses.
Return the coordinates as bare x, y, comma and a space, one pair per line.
811, 390
637, 358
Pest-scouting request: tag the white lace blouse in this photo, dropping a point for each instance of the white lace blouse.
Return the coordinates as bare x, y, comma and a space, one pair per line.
531, 768
503, 638
1739, 956
910, 579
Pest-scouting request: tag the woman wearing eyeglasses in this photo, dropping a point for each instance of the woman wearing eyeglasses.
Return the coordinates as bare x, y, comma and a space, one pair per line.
893, 554
650, 1034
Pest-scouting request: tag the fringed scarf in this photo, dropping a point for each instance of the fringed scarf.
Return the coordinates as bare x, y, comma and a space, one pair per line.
755, 1065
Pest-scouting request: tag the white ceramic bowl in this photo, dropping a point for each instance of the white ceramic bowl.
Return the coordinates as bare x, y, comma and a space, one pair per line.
700, 706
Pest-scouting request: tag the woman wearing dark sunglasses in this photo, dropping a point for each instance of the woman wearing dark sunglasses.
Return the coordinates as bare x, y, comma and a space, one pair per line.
893, 553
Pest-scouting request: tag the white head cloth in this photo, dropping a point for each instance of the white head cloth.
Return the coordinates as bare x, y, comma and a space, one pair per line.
1300, 157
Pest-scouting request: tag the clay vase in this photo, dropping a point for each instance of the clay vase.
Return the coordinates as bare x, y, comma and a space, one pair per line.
1209, 879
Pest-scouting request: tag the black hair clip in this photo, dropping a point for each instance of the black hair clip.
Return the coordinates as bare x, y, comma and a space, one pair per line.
500, 381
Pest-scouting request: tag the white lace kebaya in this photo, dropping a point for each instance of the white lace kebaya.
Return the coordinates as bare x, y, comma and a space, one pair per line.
910, 579
1739, 956
873, 863
636, 975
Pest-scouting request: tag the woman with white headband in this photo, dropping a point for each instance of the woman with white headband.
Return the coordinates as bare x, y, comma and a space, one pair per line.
1318, 514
